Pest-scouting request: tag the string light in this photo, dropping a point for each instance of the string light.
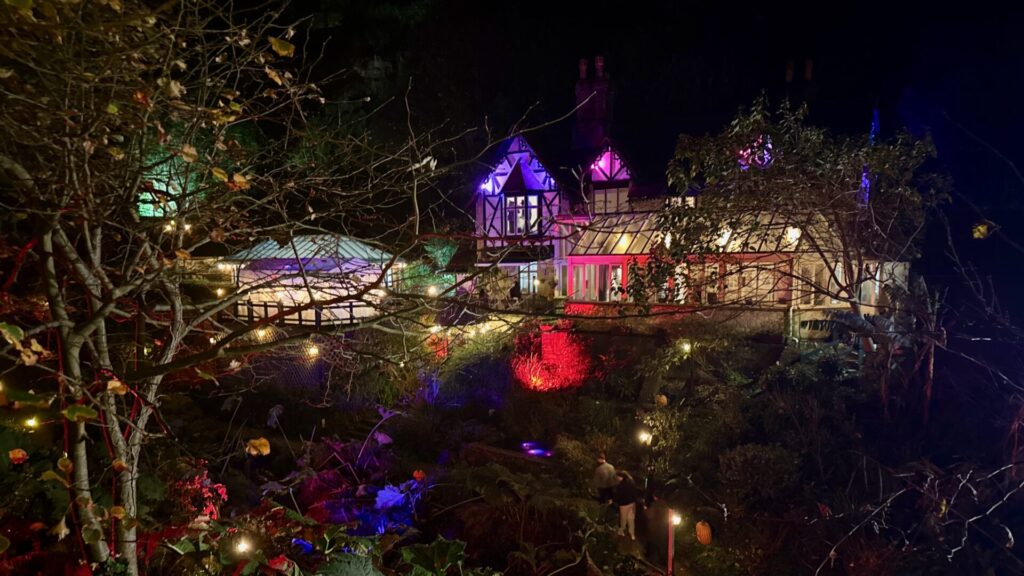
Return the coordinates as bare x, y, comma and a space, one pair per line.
32, 422
188, 227
261, 333
676, 519
645, 437
220, 292
432, 291
312, 351
242, 546
213, 340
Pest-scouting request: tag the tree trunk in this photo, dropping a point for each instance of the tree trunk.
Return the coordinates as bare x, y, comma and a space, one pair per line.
80, 456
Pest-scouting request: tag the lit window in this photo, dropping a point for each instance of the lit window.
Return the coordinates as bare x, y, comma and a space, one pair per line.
522, 215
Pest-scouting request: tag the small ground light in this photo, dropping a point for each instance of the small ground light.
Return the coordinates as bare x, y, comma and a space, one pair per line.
242, 545
32, 422
645, 437
431, 291
312, 351
676, 519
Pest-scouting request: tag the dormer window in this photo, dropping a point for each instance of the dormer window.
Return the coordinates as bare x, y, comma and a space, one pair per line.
610, 201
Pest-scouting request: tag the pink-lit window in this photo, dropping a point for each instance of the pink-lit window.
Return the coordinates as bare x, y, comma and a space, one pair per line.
608, 167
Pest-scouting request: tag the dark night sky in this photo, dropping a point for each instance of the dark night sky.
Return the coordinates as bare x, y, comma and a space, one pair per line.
686, 67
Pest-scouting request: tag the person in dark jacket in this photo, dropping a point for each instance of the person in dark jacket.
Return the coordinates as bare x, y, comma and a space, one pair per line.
658, 521
626, 495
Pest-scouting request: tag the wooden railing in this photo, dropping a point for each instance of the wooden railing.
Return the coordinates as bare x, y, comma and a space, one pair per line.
344, 313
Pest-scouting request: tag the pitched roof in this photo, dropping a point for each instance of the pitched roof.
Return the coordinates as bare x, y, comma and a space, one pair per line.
310, 246
637, 233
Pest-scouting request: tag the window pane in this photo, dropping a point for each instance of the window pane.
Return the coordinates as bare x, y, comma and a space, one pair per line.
602, 282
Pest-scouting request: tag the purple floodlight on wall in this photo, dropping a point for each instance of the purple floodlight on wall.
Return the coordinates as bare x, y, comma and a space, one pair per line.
535, 176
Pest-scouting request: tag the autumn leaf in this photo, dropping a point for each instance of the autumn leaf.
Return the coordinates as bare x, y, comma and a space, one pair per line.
257, 447
182, 254
61, 529
239, 181
117, 512
274, 75
116, 153
980, 231
51, 476
172, 88
116, 387
219, 174
17, 456
79, 413
142, 99
91, 535
118, 465
217, 235
65, 465
112, 108
282, 47
189, 153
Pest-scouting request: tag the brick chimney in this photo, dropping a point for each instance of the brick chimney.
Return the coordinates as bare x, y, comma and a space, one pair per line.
593, 107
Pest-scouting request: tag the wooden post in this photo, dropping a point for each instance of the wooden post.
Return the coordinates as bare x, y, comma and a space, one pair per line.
671, 544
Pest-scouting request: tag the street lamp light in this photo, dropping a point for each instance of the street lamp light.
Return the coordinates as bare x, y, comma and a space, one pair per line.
674, 519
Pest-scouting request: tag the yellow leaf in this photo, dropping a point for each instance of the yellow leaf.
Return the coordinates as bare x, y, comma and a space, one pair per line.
117, 387
116, 152
274, 75
240, 181
189, 153
61, 529
36, 346
6, 73
219, 174
282, 47
112, 108
183, 254
118, 465
117, 512
980, 231
257, 447
65, 465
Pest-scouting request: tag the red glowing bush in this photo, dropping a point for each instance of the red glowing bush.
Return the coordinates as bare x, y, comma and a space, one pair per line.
553, 359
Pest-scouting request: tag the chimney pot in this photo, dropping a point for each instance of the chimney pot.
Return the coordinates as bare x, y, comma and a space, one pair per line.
599, 66
583, 68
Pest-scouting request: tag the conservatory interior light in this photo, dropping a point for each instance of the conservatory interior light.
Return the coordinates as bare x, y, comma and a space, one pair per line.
792, 234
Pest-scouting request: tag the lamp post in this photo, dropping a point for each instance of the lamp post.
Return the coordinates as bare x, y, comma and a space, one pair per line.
646, 438
674, 519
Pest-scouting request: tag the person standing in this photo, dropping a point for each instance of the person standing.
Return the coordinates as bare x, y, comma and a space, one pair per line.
604, 480
626, 495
